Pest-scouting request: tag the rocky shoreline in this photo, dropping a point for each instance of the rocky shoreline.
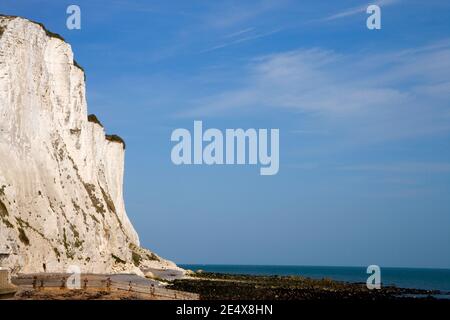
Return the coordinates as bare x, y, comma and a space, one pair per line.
211, 286
216, 286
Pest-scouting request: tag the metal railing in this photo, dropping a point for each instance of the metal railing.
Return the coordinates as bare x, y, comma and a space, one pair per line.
107, 284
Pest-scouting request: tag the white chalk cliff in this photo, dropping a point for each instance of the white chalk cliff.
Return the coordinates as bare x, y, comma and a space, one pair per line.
61, 197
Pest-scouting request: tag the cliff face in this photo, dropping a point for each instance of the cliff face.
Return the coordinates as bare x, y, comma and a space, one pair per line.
61, 197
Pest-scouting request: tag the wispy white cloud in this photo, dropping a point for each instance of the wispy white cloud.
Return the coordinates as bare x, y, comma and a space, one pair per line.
246, 38
136, 6
239, 33
408, 167
390, 95
232, 14
357, 10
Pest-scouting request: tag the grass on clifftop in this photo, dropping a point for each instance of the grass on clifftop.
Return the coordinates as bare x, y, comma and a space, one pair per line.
110, 137
47, 32
115, 138
75, 63
93, 118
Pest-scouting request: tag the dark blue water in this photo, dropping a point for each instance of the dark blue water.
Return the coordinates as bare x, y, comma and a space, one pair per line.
415, 278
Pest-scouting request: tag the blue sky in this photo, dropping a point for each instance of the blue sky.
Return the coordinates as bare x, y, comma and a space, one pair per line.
364, 119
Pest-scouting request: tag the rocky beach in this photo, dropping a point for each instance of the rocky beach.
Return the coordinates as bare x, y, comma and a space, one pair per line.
219, 286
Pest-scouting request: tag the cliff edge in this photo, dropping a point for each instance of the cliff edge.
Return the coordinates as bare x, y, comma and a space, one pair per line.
61, 177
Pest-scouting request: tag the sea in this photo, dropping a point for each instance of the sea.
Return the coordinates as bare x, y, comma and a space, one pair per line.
414, 278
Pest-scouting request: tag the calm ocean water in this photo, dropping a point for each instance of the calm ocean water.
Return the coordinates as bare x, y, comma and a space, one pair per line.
432, 279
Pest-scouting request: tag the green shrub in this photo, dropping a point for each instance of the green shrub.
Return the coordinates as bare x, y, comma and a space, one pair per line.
136, 258
152, 256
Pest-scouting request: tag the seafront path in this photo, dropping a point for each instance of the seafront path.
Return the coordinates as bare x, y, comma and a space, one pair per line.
107, 282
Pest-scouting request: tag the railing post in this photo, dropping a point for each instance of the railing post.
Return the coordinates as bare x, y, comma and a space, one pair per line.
63, 283
85, 283
108, 284
34, 282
